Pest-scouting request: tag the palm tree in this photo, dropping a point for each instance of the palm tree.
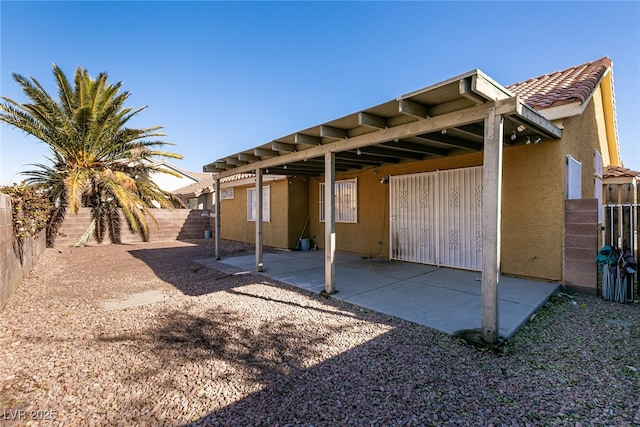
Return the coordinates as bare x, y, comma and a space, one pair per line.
96, 160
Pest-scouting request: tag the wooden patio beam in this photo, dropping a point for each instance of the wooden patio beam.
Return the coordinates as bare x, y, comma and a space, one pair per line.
248, 157
418, 127
464, 89
235, 161
372, 121
418, 148
301, 138
332, 132
281, 146
413, 108
264, 152
452, 141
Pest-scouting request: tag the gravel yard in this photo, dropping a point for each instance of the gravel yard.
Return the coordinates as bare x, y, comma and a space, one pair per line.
241, 350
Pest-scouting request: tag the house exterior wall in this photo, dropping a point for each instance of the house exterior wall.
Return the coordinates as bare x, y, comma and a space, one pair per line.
370, 235
233, 216
533, 201
372, 226
582, 135
170, 182
298, 210
534, 193
203, 202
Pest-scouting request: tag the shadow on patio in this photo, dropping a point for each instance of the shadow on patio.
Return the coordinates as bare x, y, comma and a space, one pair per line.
445, 299
176, 264
442, 298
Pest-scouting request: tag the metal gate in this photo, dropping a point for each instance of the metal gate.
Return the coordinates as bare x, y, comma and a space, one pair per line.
621, 223
436, 218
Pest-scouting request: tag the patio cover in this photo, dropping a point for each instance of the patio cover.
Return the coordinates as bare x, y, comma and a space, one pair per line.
467, 113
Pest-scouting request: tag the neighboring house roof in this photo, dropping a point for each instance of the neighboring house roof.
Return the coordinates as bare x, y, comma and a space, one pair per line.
563, 87
620, 172
196, 176
207, 184
177, 179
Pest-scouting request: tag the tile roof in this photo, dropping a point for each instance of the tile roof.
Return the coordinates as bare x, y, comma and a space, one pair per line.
620, 172
562, 87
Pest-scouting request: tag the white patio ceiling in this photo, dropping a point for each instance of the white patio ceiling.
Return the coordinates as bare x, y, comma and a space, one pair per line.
445, 119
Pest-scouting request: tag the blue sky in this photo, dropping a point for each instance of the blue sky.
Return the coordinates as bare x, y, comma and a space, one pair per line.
221, 77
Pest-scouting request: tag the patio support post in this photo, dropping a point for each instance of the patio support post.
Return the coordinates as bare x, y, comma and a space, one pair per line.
329, 223
217, 220
258, 207
491, 213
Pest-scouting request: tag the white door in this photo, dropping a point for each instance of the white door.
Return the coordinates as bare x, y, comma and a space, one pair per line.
436, 218
413, 218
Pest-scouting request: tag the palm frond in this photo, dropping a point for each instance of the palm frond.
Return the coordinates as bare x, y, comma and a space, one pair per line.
76, 183
65, 91
84, 237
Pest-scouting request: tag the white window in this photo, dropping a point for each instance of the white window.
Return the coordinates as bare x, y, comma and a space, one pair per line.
574, 178
597, 164
226, 193
252, 202
346, 194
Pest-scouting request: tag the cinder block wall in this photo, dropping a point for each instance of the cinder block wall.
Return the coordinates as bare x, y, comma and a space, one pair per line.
171, 224
12, 270
581, 245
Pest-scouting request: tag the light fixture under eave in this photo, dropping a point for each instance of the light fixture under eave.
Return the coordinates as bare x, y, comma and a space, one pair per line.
527, 140
266, 171
284, 167
384, 180
513, 135
358, 152
443, 131
538, 140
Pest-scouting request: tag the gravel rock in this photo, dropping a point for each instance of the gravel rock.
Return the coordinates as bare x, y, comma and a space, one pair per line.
243, 350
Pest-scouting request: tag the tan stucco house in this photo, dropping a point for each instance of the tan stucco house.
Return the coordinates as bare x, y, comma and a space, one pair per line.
466, 173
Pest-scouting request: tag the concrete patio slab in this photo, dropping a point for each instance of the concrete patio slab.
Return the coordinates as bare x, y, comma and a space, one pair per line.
445, 299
